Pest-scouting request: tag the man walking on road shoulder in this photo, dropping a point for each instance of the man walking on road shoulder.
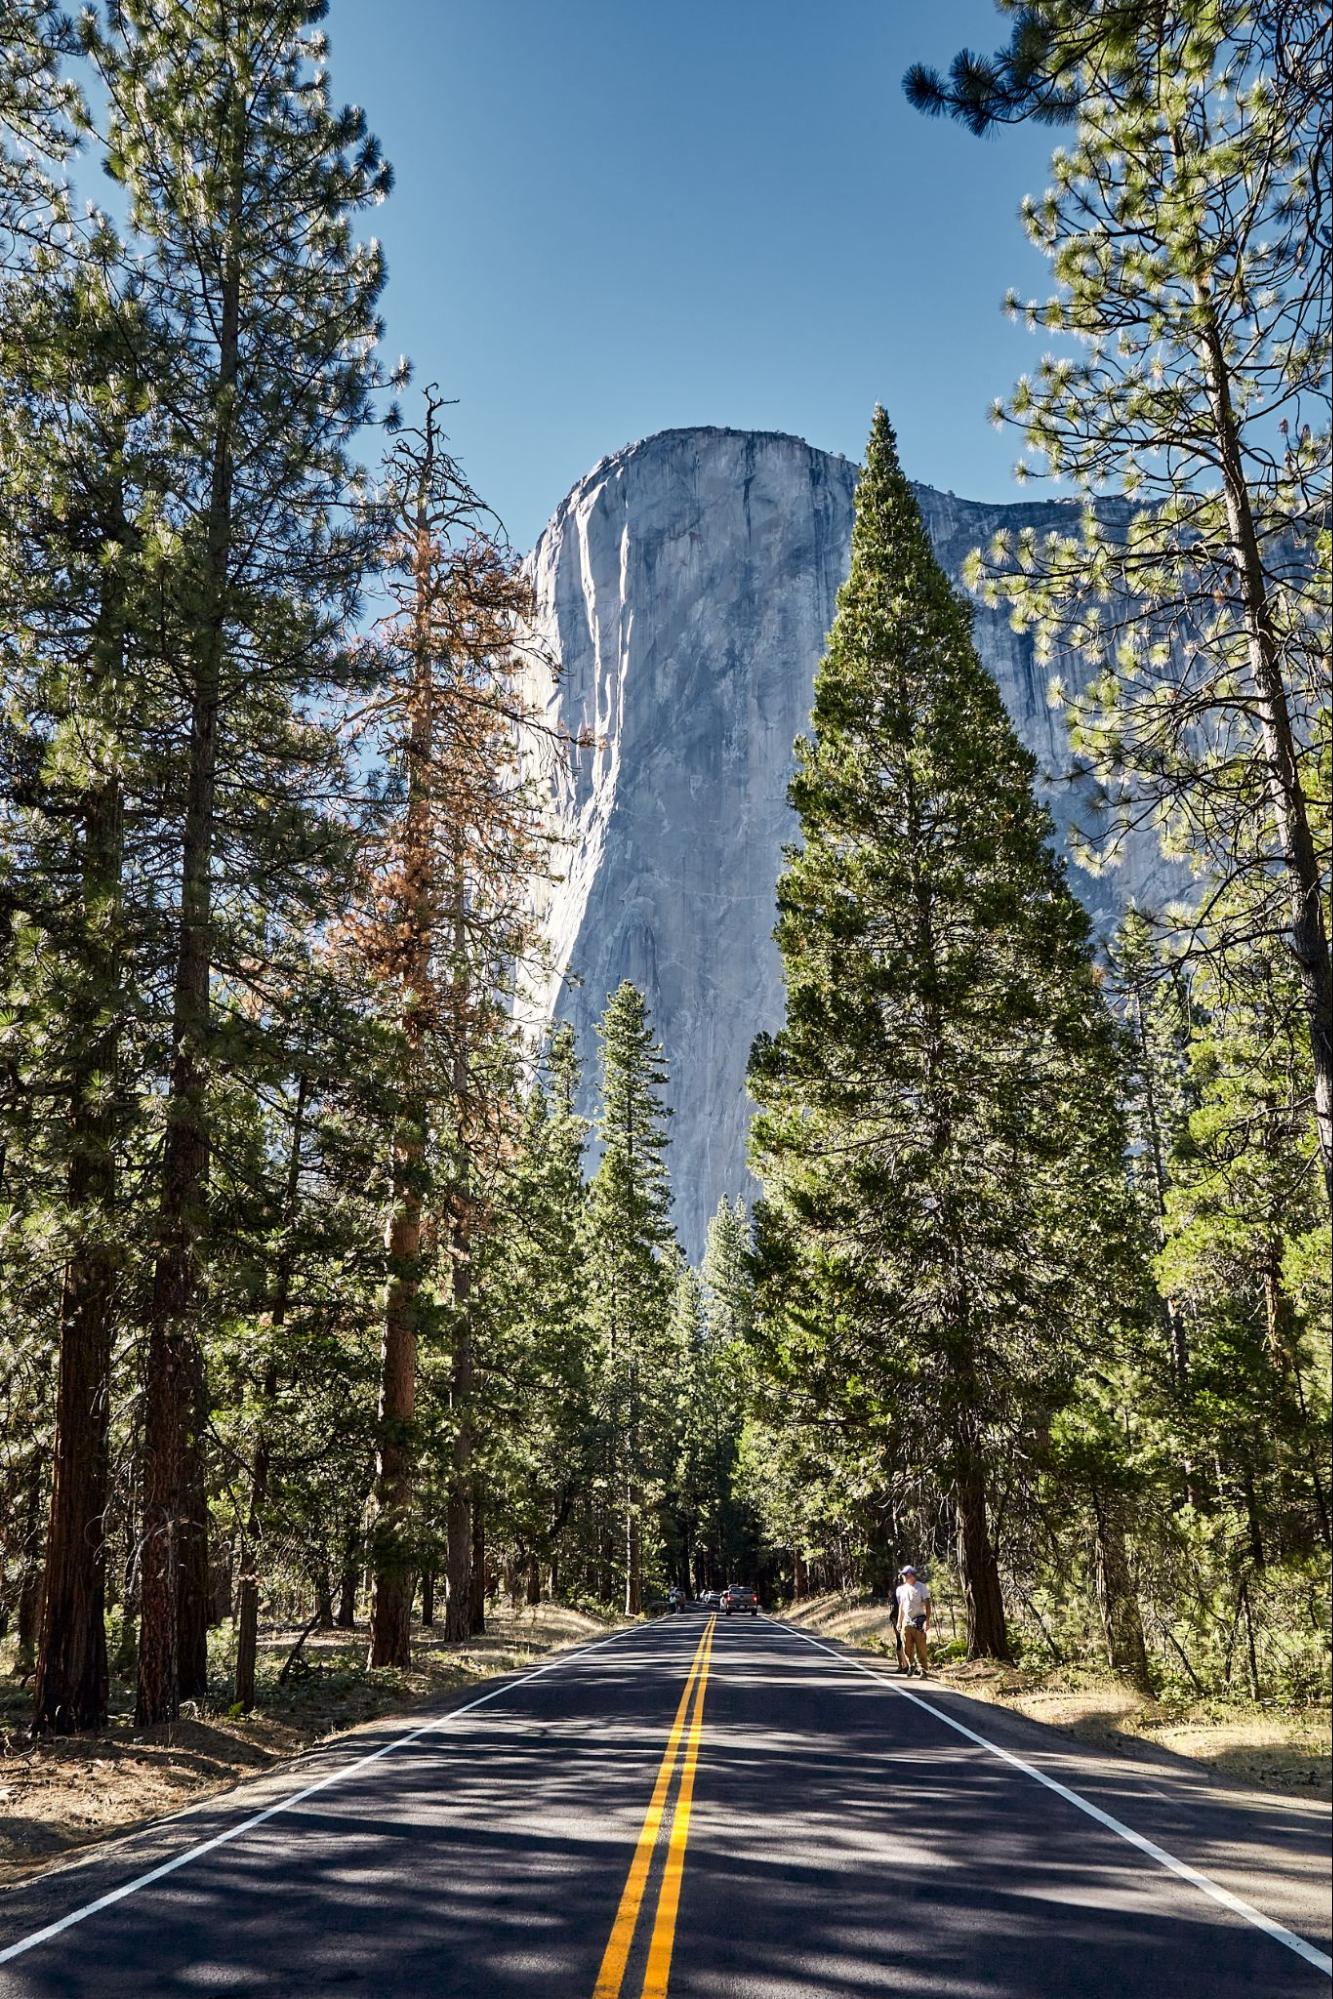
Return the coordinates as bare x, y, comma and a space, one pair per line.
913, 1620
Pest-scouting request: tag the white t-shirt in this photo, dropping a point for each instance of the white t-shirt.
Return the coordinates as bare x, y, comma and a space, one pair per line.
913, 1601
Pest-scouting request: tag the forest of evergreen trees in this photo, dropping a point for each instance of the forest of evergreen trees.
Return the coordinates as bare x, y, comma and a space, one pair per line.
320, 1298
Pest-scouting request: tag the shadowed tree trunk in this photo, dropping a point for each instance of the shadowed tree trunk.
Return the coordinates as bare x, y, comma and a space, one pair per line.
987, 1634
72, 1682
983, 1600
391, 1611
459, 1526
192, 1604
477, 1573
72, 1673
346, 1615
633, 1501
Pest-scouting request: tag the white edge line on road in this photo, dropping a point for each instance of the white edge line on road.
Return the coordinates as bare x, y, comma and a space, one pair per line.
1126, 1832
337, 1776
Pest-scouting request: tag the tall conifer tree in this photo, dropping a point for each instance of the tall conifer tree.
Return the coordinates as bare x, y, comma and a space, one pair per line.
450, 918
77, 486
242, 180
1187, 228
938, 1135
541, 1369
631, 1270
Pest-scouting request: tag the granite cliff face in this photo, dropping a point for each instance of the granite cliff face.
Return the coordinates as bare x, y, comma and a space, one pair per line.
686, 586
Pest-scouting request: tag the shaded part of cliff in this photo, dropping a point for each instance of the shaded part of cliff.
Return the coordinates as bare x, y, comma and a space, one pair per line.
686, 586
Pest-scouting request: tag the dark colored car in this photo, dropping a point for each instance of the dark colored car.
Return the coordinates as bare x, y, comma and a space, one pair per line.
737, 1597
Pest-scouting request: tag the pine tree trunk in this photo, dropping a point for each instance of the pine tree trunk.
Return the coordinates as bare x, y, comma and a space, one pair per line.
1122, 1624
458, 1540
633, 1499
391, 1610
172, 1469
221, 1579
427, 1598
458, 1560
192, 1601
72, 1674
477, 1571
983, 1601
987, 1634
533, 1593
459, 1499
158, 1690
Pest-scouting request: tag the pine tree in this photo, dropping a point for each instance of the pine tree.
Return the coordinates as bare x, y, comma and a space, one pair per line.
1188, 231
541, 1361
1243, 1226
78, 491
721, 1400
630, 1258
241, 181
449, 921
938, 1136
728, 1282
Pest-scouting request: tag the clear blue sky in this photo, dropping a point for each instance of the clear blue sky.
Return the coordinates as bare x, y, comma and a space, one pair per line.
616, 216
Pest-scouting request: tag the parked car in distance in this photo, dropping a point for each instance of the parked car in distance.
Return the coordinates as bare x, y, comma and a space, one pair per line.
711, 1599
736, 1596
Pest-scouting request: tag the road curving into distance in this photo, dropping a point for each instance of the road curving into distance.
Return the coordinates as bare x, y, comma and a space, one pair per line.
700, 1806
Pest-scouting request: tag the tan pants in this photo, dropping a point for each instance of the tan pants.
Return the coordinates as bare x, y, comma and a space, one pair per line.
914, 1647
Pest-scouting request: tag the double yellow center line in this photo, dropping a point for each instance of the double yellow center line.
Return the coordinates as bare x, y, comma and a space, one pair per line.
687, 1728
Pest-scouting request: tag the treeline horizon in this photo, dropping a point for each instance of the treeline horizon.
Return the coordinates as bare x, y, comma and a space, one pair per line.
310, 1296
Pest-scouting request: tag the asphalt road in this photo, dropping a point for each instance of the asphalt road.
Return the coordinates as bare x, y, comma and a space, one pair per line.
697, 1809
